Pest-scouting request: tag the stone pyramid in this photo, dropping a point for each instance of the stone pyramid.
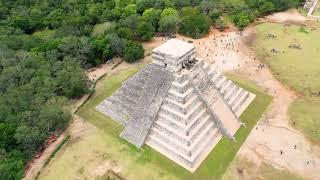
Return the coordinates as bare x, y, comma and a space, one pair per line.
178, 105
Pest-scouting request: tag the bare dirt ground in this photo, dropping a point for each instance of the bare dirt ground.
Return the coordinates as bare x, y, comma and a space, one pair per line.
292, 16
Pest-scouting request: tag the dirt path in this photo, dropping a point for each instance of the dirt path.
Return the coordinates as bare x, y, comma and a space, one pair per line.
291, 16
273, 133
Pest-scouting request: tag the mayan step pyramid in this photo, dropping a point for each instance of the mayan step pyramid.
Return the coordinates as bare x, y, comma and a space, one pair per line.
178, 105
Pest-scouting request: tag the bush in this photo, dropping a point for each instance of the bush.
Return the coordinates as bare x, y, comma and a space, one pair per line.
214, 15
168, 25
242, 19
145, 31
195, 26
133, 51
220, 24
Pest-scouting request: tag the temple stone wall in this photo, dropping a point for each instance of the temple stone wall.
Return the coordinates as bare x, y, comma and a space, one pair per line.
182, 113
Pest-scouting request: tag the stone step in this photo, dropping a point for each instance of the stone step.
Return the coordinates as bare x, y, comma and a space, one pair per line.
169, 153
181, 88
113, 112
217, 77
132, 93
189, 163
183, 108
196, 109
172, 135
170, 121
226, 86
211, 73
221, 83
172, 144
124, 99
188, 151
234, 96
181, 98
231, 87
192, 123
203, 142
240, 101
207, 147
231, 93
173, 114
200, 126
121, 105
180, 131
178, 116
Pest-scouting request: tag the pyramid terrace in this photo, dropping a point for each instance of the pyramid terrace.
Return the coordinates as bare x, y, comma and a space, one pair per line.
178, 105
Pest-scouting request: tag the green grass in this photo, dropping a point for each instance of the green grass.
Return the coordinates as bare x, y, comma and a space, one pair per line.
299, 69
147, 163
305, 116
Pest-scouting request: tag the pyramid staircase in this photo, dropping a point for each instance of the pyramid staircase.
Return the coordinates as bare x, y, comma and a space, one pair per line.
181, 113
122, 104
189, 123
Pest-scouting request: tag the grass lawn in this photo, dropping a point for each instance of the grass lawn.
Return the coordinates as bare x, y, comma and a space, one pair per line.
299, 69
146, 163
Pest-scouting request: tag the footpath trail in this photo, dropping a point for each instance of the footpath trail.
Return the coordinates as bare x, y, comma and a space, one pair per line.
273, 140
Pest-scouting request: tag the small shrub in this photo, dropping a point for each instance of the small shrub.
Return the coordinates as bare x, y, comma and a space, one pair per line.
133, 51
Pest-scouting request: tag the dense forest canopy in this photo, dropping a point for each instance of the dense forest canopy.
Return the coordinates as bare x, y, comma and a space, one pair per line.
46, 45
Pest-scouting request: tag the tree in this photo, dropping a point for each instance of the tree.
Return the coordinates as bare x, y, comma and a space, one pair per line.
53, 116
29, 138
153, 16
117, 44
11, 165
266, 8
124, 32
94, 12
71, 79
220, 24
215, 15
168, 25
169, 12
129, 10
78, 48
144, 31
189, 11
195, 26
133, 51
55, 18
242, 19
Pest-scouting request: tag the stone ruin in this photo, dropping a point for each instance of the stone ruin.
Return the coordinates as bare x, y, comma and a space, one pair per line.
178, 105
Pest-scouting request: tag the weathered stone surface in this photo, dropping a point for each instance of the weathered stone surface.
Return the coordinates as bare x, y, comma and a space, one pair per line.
182, 113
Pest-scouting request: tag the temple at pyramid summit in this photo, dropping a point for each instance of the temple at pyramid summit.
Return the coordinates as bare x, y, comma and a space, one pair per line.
178, 105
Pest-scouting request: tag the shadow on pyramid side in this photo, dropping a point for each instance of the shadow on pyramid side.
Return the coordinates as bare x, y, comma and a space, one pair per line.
178, 105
